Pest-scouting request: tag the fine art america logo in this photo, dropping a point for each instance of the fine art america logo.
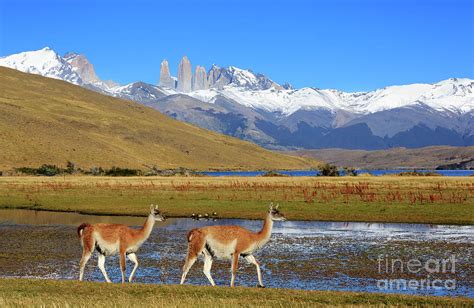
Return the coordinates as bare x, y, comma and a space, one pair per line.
425, 272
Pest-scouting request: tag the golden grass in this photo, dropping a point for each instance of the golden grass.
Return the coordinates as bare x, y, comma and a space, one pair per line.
47, 121
28, 292
448, 200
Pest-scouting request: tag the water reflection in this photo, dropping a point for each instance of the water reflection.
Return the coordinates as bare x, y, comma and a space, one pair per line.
301, 254
29, 217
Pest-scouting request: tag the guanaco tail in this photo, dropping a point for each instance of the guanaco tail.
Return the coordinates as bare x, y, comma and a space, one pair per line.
110, 239
229, 242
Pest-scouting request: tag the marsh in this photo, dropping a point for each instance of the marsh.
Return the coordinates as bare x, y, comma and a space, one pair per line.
301, 254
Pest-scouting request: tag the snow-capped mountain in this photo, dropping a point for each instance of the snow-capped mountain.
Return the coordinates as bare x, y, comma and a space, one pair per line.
44, 62
76, 68
251, 106
232, 76
455, 95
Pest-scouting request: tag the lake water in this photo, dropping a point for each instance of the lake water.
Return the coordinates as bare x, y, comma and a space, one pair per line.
308, 255
315, 172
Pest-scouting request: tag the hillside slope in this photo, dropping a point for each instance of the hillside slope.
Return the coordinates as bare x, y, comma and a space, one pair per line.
427, 157
44, 120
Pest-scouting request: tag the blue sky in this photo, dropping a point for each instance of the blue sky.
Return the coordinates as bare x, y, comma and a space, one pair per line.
347, 45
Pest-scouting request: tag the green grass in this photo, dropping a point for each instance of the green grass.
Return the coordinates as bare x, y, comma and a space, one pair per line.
27, 292
48, 121
445, 200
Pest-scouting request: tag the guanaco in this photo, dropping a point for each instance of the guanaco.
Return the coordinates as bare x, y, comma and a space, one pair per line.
229, 242
110, 239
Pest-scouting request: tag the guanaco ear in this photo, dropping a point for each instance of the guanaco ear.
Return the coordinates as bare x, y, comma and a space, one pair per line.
151, 207
271, 206
156, 207
276, 207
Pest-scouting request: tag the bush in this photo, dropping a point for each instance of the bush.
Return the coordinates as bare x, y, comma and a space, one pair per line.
46, 170
70, 167
348, 171
52, 170
418, 173
183, 171
49, 170
95, 171
328, 170
154, 171
117, 171
26, 170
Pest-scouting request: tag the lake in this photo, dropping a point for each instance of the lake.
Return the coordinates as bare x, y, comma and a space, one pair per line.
315, 172
311, 255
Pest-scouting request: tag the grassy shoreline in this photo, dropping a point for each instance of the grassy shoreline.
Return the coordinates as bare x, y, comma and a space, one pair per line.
98, 214
438, 200
26, 292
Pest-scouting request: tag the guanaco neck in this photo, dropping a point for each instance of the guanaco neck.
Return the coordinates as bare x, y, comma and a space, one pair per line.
266, 231
148, 226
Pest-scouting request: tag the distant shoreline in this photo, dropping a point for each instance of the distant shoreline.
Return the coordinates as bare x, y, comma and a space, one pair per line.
431, 157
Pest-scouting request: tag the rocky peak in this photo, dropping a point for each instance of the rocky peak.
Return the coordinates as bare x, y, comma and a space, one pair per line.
165, 77
82, 67
220, 77
200, 79
184, 75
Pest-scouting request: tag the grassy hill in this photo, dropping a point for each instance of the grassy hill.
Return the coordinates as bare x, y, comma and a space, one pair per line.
44, 120
428, 157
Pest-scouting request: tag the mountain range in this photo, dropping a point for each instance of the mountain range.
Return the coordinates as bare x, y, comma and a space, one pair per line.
251, 106
49, 121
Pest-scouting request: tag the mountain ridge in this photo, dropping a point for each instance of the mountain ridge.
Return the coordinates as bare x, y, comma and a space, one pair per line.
387, 112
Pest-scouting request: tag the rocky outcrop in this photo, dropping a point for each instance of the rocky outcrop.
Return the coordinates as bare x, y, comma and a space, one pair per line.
82, 67
265, 83
200, 79
218, 77
165, 77
184, 75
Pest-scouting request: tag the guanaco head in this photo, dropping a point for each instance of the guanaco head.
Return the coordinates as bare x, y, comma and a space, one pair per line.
275, 213
156, 213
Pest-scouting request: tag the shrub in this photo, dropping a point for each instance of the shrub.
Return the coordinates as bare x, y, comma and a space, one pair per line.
95, 171
328, 170
154, 171
348, 171
117, 171
49, 170
418, 173
45, 170
183, 171
70, 167
26, 170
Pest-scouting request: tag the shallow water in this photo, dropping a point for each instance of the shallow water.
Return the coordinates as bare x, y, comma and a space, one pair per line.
301, 254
